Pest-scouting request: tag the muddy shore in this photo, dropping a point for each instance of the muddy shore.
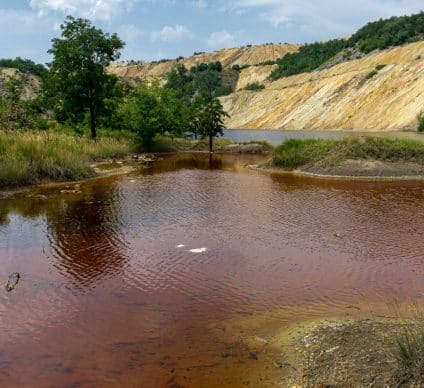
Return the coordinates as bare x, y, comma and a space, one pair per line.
354, 170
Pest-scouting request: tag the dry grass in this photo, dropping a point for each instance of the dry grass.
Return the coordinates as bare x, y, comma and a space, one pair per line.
31, 157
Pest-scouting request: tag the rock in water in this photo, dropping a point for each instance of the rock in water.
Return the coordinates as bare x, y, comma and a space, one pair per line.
12, 281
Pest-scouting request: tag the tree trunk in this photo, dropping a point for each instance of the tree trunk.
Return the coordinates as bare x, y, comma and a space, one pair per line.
210, 143
93, 122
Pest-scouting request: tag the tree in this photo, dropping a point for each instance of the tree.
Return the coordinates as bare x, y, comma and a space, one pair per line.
150, 110
77, 79
212, 118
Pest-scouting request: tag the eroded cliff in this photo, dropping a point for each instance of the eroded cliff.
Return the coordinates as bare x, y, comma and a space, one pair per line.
355, 95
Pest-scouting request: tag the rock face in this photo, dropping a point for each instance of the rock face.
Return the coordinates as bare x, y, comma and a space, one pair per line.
247, 55
31, 83
355, 95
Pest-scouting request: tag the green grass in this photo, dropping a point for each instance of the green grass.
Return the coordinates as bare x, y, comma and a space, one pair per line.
32, 157
410, 353
295, 153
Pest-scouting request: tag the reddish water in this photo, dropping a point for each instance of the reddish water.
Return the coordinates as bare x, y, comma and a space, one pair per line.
107, 298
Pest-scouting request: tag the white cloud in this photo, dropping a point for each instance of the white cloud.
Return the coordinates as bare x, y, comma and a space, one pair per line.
221, 39
31, 38
326, 16
172, 34
92, 9
199, 3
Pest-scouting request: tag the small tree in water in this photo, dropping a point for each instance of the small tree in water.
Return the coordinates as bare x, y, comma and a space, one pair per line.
212, 118
77, 80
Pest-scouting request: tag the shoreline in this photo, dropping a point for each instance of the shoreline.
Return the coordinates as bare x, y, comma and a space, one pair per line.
128, 164
337, 177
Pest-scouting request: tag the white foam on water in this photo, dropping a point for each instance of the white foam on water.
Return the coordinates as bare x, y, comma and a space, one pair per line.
198, 250
180, 246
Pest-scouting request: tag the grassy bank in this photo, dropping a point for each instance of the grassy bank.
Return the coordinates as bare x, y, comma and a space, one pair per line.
296, 153
30, 157
220, 144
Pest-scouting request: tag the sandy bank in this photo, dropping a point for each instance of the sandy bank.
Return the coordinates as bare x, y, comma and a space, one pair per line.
354, 170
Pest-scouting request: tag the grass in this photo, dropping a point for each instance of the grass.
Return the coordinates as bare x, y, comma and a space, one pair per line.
168, 144
409, 352
31, 157
294, 153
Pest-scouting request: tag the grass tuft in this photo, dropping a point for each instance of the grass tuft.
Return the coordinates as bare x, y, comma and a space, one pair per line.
329, 153
31, 157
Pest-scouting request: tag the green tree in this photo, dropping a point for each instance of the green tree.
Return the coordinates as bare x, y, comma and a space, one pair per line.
150, 110
77, 79
211, 118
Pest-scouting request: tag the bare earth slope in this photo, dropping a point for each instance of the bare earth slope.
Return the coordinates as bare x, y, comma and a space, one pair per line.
247, 55
31, 82
342, 97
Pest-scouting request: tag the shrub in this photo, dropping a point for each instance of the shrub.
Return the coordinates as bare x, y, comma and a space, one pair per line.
381, 66
255, 86
371, 74
420, 118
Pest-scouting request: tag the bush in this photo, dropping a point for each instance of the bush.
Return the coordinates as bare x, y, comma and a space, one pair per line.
371, 74
223, 90
255, 86
420, 118
379, 67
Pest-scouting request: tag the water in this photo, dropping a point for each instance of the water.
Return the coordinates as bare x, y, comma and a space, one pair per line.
276, 137
107, 298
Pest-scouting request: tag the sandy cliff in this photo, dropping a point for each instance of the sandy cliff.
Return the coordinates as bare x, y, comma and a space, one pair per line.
342, 97
247, 55
31, 83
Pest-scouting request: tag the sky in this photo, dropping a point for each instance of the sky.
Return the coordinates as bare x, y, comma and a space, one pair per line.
158, 29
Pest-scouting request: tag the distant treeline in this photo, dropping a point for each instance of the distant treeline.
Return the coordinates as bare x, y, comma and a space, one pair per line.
202, 78
376, 35
24, 65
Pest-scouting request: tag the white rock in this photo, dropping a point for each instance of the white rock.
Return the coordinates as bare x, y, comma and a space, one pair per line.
180, 246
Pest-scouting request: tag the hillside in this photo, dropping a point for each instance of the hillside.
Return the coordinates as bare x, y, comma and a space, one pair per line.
31, 82
242, 56
352, 95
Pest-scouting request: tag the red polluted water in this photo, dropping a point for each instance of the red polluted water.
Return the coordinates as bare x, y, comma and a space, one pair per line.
162, 277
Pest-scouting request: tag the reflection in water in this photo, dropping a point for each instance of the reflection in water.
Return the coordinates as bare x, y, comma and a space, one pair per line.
84, 235
108, 298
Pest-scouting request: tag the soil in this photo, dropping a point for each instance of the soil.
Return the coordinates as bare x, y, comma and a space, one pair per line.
356, 169
352, 353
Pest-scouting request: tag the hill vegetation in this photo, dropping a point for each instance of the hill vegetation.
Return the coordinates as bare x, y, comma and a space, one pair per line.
24, 66
376, 35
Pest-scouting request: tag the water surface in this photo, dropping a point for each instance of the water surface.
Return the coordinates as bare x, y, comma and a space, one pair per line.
276, 137
106, 298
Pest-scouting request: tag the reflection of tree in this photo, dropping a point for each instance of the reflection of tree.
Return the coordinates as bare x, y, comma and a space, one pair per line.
83, 229
85, 235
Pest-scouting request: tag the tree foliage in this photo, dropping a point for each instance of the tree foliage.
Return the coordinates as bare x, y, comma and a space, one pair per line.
376, 35
211, 118
202, 78
24, 65
77, 78
152, 109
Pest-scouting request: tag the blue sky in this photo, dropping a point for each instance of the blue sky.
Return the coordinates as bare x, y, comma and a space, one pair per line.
156, 29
